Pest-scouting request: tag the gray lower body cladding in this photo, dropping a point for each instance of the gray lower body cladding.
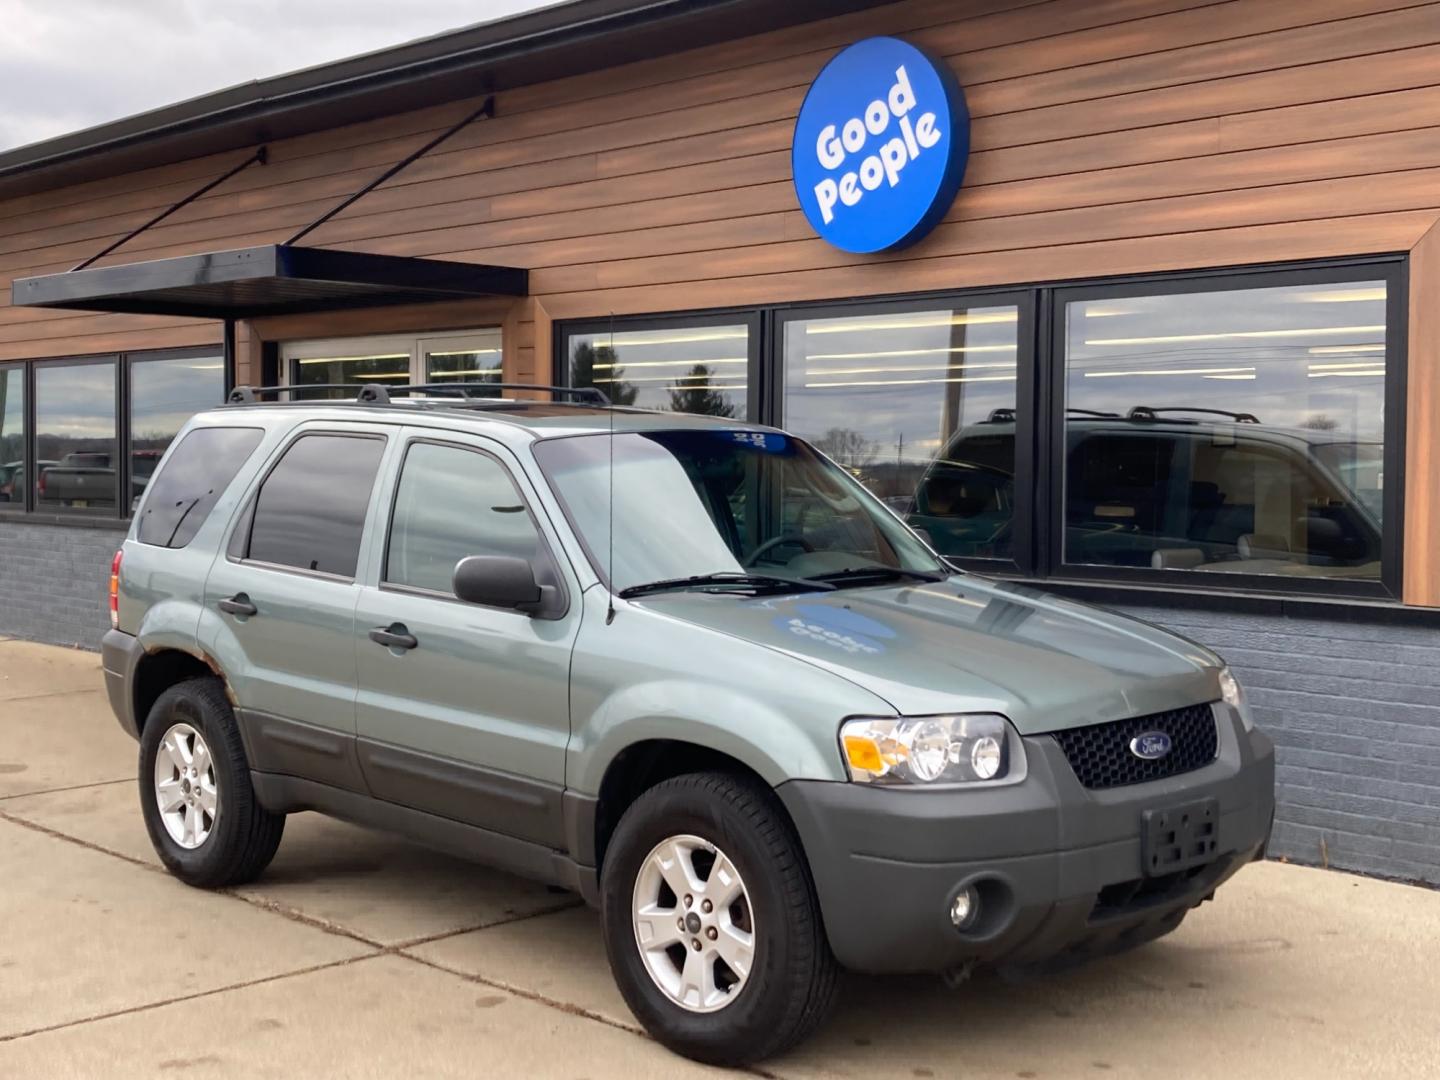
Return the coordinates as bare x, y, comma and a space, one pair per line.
1058, 869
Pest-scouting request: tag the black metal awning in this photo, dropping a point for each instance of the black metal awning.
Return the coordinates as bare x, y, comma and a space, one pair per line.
274, 279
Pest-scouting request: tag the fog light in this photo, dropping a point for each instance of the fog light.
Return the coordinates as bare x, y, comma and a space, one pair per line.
964, 908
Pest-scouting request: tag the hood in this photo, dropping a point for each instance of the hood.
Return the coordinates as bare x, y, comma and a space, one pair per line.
971, 645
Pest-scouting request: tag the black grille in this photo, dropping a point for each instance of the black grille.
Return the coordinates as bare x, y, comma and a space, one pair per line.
1100, 754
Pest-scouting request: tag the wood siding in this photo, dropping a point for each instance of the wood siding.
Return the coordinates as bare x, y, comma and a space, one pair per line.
1110, 136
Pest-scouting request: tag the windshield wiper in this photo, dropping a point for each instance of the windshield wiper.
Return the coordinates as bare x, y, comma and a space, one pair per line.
862, 574
728, 577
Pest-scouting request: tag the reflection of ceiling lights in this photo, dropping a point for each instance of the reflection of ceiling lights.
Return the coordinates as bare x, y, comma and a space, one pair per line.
1339, 296
1331, 350
711, 378
356, 359
661, 337
463, 352
928, 318
1101, 311
910, 352
1366, 373
205, 367
670, 363
1228, 336
1214, 372
1367, 364
910, 382
906, 367
402, 379
465, 371
1231, 378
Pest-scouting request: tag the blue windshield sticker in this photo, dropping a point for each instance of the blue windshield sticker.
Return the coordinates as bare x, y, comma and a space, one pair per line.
880, 146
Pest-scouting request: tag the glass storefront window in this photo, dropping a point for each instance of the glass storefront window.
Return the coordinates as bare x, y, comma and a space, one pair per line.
12, 435
164, 394
696, 369
471, 359
387, 365
1233, 431
920, 406
76, 462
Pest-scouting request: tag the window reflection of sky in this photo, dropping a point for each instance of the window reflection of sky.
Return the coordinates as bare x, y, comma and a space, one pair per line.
166, 393
897, 384
661, 368
1308, 356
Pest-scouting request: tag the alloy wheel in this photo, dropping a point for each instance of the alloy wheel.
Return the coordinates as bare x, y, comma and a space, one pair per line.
185, 786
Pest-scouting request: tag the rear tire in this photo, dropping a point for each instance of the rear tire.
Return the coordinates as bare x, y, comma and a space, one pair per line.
745, 847
195, 792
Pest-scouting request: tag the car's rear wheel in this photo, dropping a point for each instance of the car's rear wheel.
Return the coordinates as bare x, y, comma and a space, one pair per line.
195, 792
711, 922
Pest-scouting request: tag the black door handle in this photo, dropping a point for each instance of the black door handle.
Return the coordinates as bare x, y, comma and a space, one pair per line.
394, 636
239, 604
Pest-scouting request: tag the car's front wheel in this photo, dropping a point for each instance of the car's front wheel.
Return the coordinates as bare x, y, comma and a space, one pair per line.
711, 923
195, 792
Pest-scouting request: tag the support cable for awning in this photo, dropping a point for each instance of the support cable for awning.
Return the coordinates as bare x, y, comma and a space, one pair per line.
260, 156
486, 110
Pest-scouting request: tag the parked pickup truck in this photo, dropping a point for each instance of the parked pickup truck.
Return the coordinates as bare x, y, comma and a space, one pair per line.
83, 478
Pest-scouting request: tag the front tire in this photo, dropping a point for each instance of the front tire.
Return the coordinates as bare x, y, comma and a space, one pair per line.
711, 923
195, 792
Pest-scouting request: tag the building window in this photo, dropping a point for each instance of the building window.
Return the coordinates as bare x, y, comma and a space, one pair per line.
394, 360
1226, 431
919, 403
12, 435
701, 365
165, 391
76, 463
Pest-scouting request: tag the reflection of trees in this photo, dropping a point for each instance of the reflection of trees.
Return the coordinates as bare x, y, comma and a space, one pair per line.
847, 447
582, 372
694, 394
1320, 422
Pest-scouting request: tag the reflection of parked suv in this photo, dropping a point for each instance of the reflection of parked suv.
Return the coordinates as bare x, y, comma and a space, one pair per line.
1172, 489
686, 667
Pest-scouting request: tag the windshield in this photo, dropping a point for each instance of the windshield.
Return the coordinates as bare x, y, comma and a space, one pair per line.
692, 503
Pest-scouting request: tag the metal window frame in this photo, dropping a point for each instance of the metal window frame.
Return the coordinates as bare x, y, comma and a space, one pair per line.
750, 318
1039, 405
9, 509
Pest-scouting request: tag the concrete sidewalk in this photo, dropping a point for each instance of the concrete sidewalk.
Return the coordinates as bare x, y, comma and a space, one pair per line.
360, 955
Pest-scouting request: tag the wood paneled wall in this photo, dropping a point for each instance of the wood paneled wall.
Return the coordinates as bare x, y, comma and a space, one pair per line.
1110, 136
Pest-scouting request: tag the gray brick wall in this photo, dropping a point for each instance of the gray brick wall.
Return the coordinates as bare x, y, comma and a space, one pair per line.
1354, 710
53, 581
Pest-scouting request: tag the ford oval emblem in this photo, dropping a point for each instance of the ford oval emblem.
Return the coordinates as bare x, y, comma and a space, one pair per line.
1150, 745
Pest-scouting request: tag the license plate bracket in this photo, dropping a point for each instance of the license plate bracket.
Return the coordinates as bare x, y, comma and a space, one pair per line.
1175, 838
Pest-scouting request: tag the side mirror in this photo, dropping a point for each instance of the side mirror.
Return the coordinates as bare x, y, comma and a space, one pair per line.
498, 581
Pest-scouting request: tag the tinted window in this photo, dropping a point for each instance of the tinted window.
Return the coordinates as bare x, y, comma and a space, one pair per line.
197, 474
75, 437
1239, 431
920, 407
310, 512
163, 395
12, 435
452, 503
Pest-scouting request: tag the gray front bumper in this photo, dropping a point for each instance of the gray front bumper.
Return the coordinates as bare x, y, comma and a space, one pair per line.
1057, 866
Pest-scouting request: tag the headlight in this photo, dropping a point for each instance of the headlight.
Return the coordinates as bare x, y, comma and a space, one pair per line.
930, 749
1232, 694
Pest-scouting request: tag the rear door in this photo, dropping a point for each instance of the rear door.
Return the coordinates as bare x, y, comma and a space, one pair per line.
471, 721
280, 602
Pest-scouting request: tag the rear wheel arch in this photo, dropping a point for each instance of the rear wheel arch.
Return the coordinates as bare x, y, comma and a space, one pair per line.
158, 671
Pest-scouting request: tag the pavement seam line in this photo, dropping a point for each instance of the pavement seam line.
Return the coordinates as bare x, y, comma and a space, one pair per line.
567, 1007
73, 787
488, 925
262, 980
48, 694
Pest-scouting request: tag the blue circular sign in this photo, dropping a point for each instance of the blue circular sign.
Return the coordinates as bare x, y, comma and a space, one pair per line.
880, 146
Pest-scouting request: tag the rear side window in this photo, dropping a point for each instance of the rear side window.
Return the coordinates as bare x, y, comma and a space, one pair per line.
452, 503
310, 512
197, 474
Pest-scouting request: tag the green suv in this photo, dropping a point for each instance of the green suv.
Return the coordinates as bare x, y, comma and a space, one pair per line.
688, 668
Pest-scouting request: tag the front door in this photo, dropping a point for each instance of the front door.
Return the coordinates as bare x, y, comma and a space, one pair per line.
463, 710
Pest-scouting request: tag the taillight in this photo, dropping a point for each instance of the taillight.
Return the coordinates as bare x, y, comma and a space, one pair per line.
115, 590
